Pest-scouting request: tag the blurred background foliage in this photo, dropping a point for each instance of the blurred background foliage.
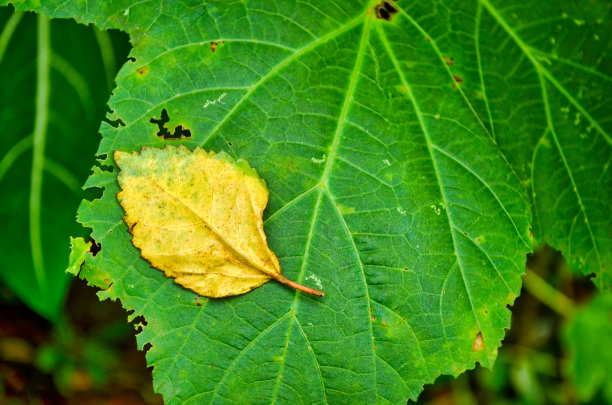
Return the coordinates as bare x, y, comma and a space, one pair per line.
58, 344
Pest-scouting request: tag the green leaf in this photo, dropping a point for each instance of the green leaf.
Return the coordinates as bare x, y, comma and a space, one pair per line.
387, 190
78, 251
587, 338
543, 83
52, 102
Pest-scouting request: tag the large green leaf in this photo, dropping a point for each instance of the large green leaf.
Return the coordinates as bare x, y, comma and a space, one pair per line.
52, 102
387, 190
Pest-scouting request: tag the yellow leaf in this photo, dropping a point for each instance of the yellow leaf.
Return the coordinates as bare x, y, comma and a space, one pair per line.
197, 216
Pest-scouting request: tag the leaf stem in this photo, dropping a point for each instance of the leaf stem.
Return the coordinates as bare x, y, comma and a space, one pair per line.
546, 294
284, 280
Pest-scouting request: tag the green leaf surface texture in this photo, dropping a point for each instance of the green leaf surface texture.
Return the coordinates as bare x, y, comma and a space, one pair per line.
52, 101
400, 156
543, 80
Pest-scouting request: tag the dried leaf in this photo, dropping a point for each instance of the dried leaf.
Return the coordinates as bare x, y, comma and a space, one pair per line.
197, 216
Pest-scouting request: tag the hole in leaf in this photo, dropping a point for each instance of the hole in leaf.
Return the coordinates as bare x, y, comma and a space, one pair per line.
139, 323
390, 7
163, 132
140, 319
386, 10
116, 122
95, 247
147, 346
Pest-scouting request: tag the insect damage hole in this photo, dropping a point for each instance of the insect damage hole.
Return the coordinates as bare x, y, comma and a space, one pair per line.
95, 247
163, 132
385, 10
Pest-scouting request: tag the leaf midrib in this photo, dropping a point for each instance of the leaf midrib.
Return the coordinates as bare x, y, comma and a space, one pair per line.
322, 187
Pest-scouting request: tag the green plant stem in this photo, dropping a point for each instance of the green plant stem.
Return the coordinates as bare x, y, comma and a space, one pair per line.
38, 151
546, 294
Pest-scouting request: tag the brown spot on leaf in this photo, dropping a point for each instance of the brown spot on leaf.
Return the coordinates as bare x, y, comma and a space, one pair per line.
428, 39
449, 61
142, 70
163, 132
478, 344
458, 79
215, 44
373, 318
